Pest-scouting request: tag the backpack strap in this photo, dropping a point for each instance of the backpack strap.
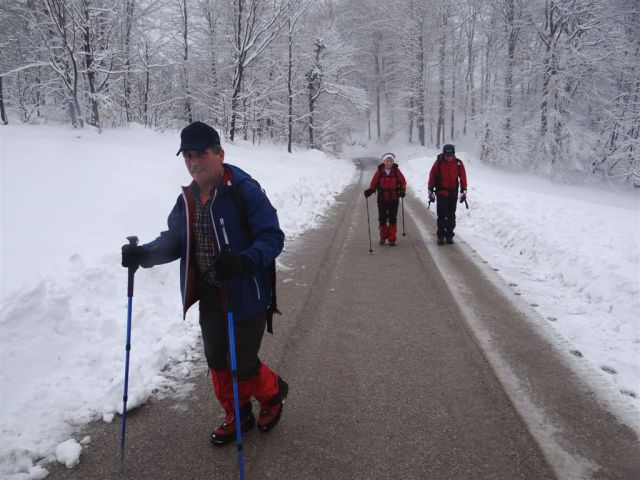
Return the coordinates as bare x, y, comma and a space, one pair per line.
240, 203
392, 173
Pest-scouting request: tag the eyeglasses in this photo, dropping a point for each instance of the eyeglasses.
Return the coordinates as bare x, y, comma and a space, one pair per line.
194, 154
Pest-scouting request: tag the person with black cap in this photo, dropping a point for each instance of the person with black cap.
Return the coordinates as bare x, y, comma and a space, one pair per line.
225, 255
390, 184
447, 175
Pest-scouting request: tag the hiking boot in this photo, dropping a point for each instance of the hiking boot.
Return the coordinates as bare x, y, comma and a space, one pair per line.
382, 241
440, 240
392, 243
450, 240
270, 415
226, 432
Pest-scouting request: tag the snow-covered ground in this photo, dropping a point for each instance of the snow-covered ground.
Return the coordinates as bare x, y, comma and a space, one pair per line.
69, 198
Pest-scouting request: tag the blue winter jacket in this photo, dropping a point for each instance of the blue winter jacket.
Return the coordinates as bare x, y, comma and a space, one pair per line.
250, 292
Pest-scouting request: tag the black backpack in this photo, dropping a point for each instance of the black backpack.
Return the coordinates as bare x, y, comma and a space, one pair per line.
241, 206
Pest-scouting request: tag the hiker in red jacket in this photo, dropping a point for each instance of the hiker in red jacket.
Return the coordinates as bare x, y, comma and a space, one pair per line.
446, 176
390, 184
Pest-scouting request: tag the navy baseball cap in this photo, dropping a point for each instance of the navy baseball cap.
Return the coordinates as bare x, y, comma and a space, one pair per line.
448, 150
198, 136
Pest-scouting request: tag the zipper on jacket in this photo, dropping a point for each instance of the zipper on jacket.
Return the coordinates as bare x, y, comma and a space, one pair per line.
226, 242
186, 269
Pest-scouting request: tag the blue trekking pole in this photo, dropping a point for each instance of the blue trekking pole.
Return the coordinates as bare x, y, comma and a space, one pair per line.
234, 367
132, 270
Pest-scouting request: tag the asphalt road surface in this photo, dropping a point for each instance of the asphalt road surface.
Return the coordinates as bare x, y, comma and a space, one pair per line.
410, 362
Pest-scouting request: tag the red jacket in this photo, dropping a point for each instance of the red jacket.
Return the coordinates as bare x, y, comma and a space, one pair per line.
388, 185
444, 176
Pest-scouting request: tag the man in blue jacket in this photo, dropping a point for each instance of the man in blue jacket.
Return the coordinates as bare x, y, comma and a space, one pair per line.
224, 258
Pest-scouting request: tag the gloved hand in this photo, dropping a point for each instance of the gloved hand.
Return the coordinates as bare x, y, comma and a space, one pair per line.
368, 192
230, 266
463, 197
131, 255
432, 197
401, 193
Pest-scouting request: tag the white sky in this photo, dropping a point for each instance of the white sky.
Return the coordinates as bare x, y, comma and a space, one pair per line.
69, 198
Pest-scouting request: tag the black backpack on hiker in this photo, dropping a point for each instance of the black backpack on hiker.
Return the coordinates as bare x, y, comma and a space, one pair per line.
240, 203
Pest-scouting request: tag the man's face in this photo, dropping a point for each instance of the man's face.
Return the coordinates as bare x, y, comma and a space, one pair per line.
448, 157
205, 167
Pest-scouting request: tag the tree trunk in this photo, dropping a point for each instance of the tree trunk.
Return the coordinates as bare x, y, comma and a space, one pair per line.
420, 94
311, 111
377, 75
453, 98
3, 114
410, 129
512, 38
89, 66
129, 6
469, 94
290, 92
440, 128
188, 110
546, 77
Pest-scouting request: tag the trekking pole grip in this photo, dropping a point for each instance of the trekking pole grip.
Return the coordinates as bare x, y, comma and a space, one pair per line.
133, 240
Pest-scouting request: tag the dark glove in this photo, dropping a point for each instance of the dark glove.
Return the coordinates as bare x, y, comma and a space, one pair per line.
432, 197
401, 193
463, 197
230, 266
369, 191
132, 255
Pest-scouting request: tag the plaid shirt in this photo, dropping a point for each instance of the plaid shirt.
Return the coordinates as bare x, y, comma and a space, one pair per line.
203, 234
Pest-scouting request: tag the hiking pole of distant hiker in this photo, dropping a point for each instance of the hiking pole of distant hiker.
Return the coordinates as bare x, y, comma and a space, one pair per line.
402, 202
232, 355
369, 226
131, 272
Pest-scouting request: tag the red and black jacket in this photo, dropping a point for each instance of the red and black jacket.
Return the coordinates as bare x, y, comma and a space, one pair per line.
446, 177
387, 186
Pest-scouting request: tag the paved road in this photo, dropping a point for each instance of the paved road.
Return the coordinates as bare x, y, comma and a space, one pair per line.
395, 372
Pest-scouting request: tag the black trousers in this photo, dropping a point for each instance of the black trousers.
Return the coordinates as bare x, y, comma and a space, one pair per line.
388, 212
215, 336
446, 210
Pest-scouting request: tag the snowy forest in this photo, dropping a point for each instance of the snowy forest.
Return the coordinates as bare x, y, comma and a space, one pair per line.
549, 86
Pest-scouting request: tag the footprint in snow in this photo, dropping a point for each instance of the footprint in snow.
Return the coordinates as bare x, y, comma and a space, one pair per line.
629, 393
577, 353
609, 369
